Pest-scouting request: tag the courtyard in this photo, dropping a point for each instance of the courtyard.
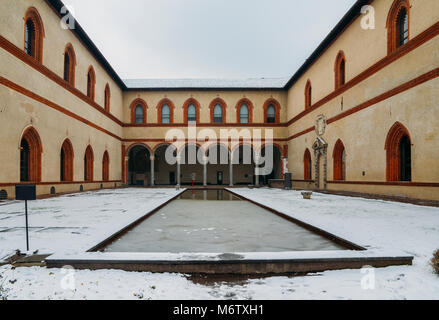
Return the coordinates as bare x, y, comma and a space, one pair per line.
75, 223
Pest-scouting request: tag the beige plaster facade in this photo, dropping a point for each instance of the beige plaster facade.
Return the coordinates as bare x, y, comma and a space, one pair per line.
381, 89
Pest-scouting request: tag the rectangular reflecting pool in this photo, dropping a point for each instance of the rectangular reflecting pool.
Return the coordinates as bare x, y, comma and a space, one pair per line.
216, 221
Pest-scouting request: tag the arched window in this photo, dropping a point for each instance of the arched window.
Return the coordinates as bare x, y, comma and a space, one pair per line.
30, 156
244, 111
398, 154
88, 164
340, 70
66, 161
307, 165
398, 25
403, 27
308, 95
339, 158
271, 111
165, 111
91, 83
218, 109
106, 167
140, 116
166, 114
69, 64
218, 114
107, 98
244, 114
191, 113
138, 111
271, 114
33, 35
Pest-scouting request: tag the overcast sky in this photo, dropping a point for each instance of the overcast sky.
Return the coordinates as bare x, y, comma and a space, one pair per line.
207, 38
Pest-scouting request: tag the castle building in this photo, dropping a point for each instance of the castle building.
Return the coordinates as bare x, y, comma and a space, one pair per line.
360, 115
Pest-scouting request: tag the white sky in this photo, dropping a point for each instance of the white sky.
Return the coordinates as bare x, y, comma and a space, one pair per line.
207, 38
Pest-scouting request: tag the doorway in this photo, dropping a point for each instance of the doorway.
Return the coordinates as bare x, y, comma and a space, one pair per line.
219, 178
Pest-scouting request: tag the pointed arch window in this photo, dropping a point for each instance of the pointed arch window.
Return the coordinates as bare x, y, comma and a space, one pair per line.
271, 114
139, 115
91, 83
218, 114
33, 34
107, 98
244, 111
66, 161
191, 113
308, 95
340, 70
88, 164
30, 156
166, 114
339, 158
399, 154
69, 64
398, 25
307, 165
106, 167
244, 114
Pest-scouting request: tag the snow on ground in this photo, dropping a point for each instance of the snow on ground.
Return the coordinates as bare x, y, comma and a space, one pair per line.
75, 222
377, 224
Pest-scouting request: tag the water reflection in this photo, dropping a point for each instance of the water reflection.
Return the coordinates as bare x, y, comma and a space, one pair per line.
209, 195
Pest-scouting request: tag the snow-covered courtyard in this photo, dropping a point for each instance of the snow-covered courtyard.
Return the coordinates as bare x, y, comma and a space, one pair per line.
77, 222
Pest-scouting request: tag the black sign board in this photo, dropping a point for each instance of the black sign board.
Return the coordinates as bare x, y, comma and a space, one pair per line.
288, 181
25, 192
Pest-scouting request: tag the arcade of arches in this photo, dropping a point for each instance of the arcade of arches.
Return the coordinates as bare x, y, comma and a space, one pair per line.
193, 166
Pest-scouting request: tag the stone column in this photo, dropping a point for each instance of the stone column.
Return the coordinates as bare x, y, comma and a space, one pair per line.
205, 171
231, 173
152, 158
178, 170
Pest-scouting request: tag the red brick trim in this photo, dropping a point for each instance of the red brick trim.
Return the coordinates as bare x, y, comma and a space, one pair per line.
276, 105
419, 40
285, 151
186, 105
70, 52
159, 110
390, 183
33, 15
133, 107
34, 96
48, 183
88, 164
19, 53
337, 70
107, 98
91, 83
384, 96
306, 165
68, 160
391, 24
250, 106
337, 157
106, 167
35, 150
396, 133
308, 95
223, 104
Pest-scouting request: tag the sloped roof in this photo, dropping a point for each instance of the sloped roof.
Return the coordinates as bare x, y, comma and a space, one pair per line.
225, 84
